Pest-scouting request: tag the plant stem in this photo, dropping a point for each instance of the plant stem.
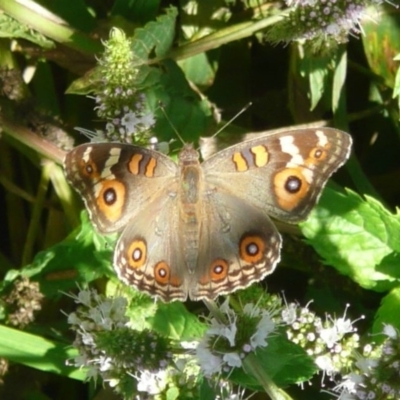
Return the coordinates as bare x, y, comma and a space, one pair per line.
251, 365
41, 20
224, 36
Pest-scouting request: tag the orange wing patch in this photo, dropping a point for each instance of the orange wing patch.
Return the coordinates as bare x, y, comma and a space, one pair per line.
261, 155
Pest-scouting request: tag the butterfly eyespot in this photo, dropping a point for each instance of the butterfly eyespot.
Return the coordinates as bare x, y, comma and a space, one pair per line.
252, 248
111, 198
89, 169
219, 269
318, 153
293, 184
162, 272
137, 253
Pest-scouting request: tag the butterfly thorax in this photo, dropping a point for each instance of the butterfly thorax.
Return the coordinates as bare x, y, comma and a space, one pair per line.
190, 183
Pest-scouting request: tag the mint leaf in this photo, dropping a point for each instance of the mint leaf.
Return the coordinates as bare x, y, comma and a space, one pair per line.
358, 237
83, 257
388, 312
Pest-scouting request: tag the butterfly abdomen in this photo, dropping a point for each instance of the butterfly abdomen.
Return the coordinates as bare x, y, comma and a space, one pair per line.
191, 183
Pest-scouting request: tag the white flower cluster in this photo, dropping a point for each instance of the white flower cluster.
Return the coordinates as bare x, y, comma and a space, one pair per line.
97, 314
329, 21
129, 124
213, 359
330, 342
377, 378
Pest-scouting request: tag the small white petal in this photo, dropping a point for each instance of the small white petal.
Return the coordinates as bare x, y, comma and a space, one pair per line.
390, 331
209, 363
233, 359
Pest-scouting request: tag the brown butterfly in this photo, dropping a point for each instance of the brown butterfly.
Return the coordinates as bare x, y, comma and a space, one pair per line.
203, 229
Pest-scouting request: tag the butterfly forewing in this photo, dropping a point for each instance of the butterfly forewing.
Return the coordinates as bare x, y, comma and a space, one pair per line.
116, 180
283, 173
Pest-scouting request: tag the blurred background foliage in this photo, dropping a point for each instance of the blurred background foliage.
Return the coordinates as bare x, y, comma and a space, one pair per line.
208, 60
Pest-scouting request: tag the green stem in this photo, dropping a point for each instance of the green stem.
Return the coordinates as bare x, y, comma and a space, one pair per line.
215, 311
38, 205
20, 136
341, 120
252, 366
65, 195
41, 20
224, 36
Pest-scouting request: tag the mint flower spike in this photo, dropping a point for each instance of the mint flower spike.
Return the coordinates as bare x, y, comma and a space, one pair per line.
232, 339
323, 23
119, 101
109, 349
128, 120
375, 376
330, 342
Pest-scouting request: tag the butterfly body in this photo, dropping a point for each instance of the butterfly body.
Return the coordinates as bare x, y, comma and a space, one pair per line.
196, 229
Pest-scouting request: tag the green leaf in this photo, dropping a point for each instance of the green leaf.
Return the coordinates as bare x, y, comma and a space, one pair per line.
205, 391
339, 80
172, 393
381, 42
141, 306
388, 312
282, 360
79, 259
156, 36
11, 28
199, 69
37, 352
316, 69
175, 321
190, 115
358, 237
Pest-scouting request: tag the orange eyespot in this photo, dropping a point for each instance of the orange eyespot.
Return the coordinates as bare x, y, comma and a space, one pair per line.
291, 186
252, 248
162, 273
111, 198
137, 253
88, 169
218, 269
315, 156
318, 154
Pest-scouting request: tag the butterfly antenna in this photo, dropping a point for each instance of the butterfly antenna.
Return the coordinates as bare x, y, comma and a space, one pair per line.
170, 123
232, 119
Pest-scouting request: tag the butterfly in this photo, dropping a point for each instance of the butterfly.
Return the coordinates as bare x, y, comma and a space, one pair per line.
199, 230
